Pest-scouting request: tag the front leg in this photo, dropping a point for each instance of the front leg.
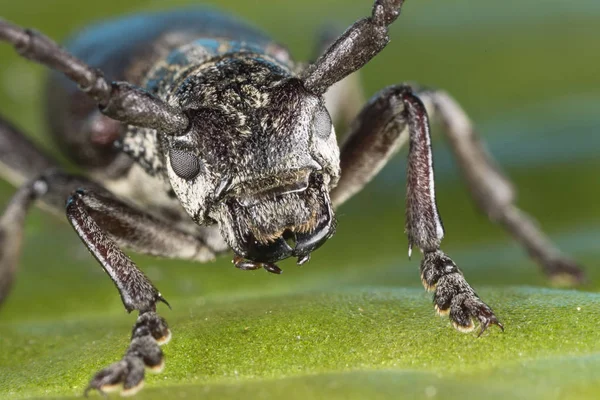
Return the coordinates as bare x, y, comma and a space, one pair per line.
376, 135
136, 290
102, 221
493, 192
137, 293
452, 294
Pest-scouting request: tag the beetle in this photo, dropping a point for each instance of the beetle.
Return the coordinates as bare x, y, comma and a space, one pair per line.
199, 135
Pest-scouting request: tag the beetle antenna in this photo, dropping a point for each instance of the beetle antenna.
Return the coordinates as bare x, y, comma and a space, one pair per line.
354, 48
118, 100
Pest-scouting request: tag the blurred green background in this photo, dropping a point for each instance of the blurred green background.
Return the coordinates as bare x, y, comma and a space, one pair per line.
354, 322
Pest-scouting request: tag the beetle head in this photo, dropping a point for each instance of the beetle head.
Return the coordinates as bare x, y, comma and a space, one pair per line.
259, 158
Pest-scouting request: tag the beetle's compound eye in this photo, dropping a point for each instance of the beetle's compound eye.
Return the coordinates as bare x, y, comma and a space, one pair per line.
185, 164
322, 123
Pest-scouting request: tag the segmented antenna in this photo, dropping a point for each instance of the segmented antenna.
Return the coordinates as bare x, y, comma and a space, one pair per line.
118, 100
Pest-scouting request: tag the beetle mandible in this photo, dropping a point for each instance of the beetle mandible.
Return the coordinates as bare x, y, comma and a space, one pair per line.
200, 135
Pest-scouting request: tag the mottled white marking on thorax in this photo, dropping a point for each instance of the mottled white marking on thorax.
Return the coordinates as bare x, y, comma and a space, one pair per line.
142, 145
255, 98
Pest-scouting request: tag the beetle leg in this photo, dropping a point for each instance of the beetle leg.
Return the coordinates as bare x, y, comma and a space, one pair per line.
137, 293
20, 162
452, 294
149, 332
119, 100
354, 48
392, 117
100, 232
102, 222
493, 192
366, 151
11, 232
136, 290
143, 233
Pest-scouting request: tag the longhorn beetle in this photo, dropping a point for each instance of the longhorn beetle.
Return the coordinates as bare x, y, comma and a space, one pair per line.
199, 134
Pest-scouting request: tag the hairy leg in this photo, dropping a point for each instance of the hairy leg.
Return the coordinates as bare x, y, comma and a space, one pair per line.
387, 121
117, 100
137, 293
493, 192
20, 159
141, 232
20, 162
103, 222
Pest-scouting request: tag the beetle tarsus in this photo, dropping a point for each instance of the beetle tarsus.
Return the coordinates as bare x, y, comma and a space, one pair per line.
494, 193
148, 334
564, 271
453, 296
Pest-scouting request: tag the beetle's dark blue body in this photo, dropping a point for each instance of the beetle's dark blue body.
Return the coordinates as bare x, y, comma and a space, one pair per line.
115, 45
127, 49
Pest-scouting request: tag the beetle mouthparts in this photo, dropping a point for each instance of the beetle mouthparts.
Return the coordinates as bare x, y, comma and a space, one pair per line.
290, 243
305, 243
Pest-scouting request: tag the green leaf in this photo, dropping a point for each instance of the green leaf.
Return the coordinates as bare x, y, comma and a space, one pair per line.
337, 344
